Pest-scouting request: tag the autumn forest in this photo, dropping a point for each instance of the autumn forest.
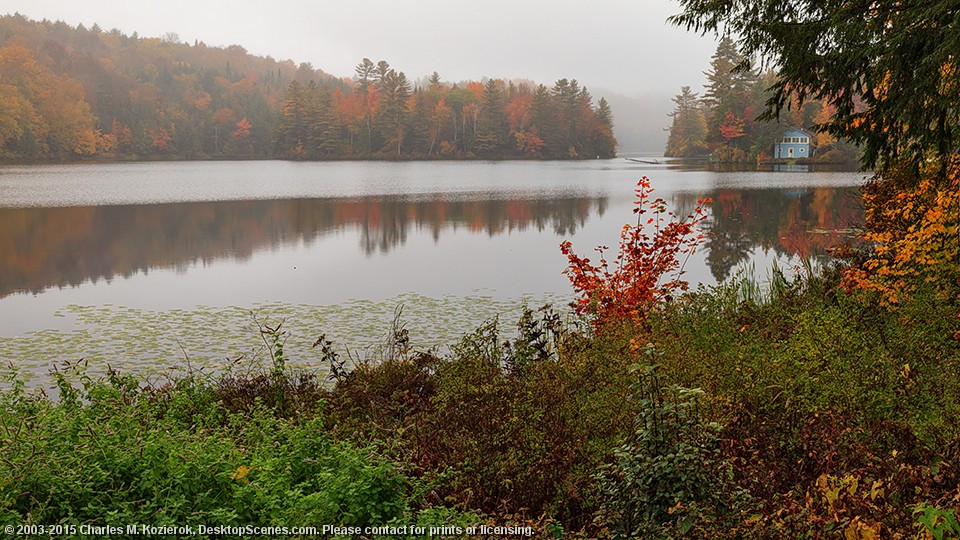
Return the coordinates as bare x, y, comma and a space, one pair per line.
84, 93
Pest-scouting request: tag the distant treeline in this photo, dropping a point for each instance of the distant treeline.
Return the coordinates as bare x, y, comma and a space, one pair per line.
382, 114
74, 92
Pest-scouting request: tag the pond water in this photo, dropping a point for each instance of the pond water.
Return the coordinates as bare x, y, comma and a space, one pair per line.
146, 265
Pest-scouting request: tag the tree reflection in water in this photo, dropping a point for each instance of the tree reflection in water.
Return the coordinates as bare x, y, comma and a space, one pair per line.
46, 247
50, 247
804, 223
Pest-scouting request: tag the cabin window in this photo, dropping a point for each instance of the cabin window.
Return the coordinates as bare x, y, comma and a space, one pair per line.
795, 140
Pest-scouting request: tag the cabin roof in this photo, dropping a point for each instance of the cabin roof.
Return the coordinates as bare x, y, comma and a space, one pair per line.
793, 129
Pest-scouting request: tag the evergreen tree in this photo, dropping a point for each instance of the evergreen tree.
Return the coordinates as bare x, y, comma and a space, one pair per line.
605, 113
567, 107
421, 120
434, 82
492, 124
381, 71
689, 128
394, 91
324, 131
604, 143
584, 124
730, 84
291, 131
364, 84
545, 122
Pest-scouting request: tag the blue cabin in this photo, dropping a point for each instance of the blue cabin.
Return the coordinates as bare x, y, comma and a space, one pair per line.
794, 144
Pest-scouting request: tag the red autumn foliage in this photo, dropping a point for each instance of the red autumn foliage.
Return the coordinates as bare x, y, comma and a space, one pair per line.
732, 127
648, 266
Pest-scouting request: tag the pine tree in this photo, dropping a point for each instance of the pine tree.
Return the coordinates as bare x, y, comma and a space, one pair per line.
492, 124
689, 128
604, 143
291, 131
434, 82
545, 122
421, 123
730, 84
324, 130
394, 91
364, 84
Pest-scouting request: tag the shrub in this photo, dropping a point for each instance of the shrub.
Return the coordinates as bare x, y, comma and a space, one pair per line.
648, 266
813, 383
514, 428
668, 478
913, 220
113, 453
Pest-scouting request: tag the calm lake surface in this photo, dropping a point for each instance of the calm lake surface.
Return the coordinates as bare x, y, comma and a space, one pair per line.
147, 264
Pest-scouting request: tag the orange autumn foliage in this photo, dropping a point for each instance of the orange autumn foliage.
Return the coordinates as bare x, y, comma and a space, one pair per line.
916, 233
648, 266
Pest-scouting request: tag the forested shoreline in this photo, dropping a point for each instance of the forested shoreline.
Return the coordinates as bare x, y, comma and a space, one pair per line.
77, 93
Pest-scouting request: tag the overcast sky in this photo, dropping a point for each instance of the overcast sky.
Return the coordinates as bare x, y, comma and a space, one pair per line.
620, 45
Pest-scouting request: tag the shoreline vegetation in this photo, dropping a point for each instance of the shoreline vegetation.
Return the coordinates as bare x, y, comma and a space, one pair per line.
813, 411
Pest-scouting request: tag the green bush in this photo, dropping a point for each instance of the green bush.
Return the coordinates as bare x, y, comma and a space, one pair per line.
669, 477
110, 453
813, 351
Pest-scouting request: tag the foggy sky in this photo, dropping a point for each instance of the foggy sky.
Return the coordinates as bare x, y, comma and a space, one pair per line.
618, 46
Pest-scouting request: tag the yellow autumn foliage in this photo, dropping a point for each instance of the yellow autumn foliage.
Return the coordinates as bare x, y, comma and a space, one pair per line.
241, 474
915, 231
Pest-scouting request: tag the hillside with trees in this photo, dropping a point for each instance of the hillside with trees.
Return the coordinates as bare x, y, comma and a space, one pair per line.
726, 121
85, 93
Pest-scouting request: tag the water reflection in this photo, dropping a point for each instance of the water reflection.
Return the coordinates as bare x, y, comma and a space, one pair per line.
385, 223
804, 223
50, 247
47, 247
